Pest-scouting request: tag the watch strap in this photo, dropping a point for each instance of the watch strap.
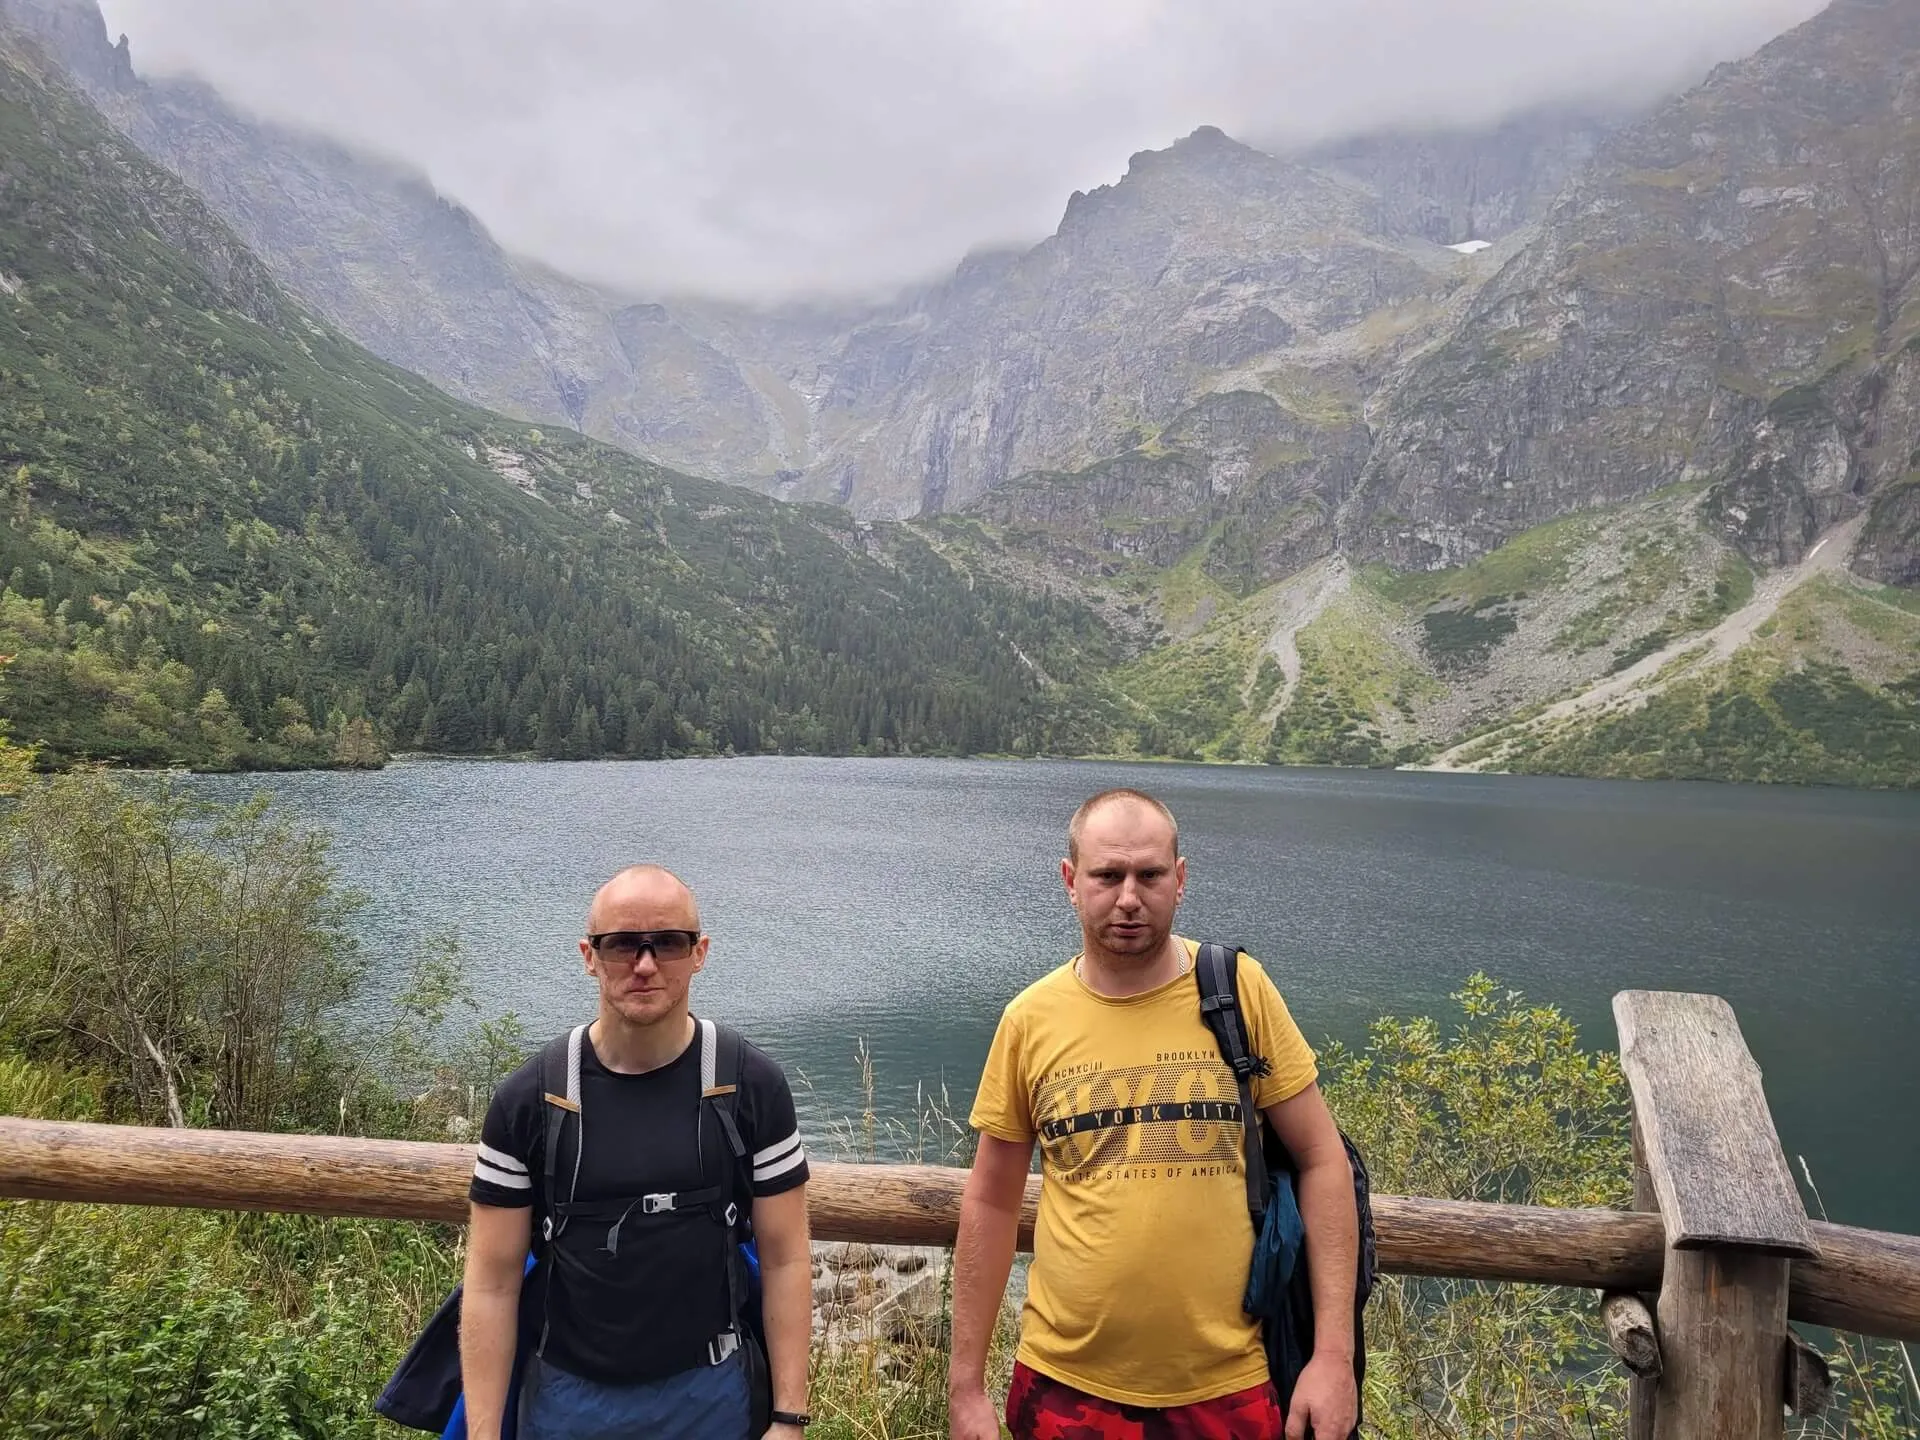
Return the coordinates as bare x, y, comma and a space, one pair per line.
791, 1417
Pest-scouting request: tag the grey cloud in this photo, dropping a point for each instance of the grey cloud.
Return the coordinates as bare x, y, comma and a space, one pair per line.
757, 149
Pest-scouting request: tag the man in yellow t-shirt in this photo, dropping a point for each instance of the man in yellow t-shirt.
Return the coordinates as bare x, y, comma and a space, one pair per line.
1143, 1244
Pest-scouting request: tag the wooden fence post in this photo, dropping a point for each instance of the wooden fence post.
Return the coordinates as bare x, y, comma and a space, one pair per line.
1733, 1219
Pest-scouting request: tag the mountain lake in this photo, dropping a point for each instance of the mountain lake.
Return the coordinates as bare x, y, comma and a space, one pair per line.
892, 907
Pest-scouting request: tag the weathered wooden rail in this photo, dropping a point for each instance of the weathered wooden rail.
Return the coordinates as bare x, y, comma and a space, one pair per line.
1700, 1280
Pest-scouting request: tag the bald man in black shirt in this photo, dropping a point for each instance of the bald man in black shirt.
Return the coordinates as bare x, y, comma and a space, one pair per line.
692, 1142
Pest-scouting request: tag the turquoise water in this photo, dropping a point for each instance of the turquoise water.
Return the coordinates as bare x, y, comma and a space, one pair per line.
901, 902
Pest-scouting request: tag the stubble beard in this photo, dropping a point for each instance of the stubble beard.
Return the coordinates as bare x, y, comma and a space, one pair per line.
1136, 953
643, 1011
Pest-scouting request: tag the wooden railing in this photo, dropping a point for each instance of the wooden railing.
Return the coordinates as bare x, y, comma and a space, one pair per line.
1698, 1283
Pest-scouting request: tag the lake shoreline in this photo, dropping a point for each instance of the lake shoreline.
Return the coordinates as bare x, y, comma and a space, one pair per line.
527, 757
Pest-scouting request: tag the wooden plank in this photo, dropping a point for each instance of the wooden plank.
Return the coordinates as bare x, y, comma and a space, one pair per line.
1631, 1333
1718, 1170
1864, 1280
1723, 1331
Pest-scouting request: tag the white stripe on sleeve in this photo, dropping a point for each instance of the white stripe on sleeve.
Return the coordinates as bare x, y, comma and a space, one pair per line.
500, 1160
774, 1152
763, 1173
505, 1179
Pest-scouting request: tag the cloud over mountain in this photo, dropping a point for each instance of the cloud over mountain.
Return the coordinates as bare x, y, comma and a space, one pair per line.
756, 149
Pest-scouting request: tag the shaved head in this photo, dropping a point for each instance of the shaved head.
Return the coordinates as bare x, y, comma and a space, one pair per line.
1077, 826
652, 888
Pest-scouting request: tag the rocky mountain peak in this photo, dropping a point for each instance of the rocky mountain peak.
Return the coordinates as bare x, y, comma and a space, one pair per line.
1207, 147
74, 34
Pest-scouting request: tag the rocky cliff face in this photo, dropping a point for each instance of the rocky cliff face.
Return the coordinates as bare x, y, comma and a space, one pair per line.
1727, 294
1208, 263
1453, 187
1237, 474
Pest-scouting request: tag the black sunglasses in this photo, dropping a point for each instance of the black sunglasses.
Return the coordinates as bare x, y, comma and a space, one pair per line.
626, 946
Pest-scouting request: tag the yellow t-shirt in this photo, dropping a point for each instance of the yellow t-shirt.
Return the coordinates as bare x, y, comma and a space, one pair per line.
1140, 1256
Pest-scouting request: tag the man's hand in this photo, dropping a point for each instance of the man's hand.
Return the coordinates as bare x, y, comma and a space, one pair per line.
971, 1416
1326, 1403
785, 1432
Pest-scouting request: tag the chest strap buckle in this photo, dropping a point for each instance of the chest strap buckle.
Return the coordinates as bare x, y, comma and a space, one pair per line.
658, 1203
722, 1345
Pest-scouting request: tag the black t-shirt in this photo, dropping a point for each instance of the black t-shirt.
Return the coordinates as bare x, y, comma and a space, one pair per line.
649, 1309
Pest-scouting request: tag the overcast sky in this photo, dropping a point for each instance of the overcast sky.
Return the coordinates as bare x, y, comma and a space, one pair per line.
767, 148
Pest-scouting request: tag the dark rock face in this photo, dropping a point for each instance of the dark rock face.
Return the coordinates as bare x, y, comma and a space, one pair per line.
1236, 471
1470, 185
1723, 296
1254, 331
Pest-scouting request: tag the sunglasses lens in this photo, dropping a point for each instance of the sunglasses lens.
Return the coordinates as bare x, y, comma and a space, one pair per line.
672, 944
624, 946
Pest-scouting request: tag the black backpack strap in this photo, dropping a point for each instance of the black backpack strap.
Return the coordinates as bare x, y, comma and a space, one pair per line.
1217, 972
722, 1067
721, 1048
559, 1098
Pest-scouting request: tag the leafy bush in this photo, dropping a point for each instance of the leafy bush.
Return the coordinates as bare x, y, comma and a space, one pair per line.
159, 1324
1508, 1108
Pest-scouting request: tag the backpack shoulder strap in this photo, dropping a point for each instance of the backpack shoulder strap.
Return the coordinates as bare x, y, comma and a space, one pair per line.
560, 1097
721, 1062
1216, 971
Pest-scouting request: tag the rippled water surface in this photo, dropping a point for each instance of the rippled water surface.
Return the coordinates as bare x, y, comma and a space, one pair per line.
902, 902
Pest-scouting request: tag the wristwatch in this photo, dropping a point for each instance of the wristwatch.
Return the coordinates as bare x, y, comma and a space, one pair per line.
791, 1417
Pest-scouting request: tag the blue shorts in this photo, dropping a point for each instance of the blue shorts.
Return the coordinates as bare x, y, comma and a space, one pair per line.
708, 1403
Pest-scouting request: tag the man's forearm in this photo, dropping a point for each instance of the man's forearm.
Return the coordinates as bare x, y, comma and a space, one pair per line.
1333, 1251
489, 1320
982, 1258
787, 1303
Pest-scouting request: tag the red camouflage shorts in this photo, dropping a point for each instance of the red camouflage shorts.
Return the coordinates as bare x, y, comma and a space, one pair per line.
1041, 1408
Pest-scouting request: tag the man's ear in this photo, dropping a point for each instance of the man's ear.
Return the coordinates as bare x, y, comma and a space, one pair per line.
1066, 879
700, 948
